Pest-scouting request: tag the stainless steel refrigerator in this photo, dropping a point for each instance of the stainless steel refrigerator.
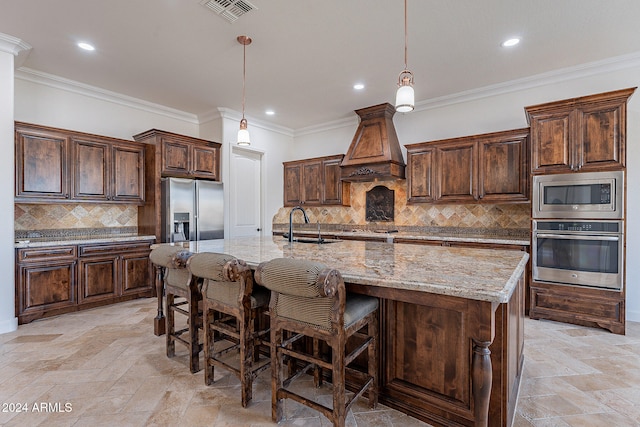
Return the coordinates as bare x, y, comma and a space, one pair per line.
192, 210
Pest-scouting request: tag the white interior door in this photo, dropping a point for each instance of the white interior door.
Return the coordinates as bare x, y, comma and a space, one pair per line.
245, 196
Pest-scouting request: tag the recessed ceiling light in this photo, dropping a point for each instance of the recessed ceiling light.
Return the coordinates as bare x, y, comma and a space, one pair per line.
511, 42
86, 46
358, 86
269, 112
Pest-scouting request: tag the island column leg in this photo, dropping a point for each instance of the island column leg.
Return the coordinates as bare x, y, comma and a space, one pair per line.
159, 322
482, 377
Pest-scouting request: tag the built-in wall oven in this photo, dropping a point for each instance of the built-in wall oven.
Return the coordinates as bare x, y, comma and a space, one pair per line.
585, 253
578, 229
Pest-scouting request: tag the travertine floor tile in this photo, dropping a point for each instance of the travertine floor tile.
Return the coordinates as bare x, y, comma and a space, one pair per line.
107, 364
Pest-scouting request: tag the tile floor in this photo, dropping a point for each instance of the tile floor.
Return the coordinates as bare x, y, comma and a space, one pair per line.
105, 367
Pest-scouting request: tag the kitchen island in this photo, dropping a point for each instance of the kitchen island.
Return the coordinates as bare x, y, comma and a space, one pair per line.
451, 321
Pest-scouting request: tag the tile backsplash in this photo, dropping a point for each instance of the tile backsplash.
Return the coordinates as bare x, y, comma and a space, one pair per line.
29, 217
487, 216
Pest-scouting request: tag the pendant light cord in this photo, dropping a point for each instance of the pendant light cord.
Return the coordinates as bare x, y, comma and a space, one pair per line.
244, 73
405, 35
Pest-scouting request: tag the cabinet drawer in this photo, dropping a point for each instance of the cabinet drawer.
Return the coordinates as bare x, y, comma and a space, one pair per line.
46, 253
109, 248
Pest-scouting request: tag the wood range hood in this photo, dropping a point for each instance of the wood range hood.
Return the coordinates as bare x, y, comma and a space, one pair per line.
374, 153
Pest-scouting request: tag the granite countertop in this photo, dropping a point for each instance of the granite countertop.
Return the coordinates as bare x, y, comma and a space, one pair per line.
478, 274
414, 235
78, 240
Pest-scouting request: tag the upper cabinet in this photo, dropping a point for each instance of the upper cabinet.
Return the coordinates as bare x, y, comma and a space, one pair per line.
490, 167
54, 165
189, 157
315, 182
169, 154
580, 134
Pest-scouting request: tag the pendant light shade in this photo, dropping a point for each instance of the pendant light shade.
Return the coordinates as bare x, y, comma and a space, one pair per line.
243, 132
405, 98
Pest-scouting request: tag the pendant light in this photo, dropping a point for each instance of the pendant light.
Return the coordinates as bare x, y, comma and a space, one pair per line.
243, 133
405, 98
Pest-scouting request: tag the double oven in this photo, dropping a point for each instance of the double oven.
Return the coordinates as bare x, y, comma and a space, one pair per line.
578, 229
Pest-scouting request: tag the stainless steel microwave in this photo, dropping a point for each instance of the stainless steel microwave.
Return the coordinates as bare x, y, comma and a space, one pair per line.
583, 195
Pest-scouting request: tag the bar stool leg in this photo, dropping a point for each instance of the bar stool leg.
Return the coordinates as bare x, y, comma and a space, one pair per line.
170, 326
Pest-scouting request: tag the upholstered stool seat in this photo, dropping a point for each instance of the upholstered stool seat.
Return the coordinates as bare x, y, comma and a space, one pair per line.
233, 318
182, 296
308, 299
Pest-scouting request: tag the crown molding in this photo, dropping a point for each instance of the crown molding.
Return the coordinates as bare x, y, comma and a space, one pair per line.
12, 45
557, 76
552, 77
228, 113
327, 126
57, 82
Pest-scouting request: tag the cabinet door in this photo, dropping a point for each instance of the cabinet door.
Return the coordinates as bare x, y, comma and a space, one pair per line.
97, 278
128, 174
334, 190
457, 165
205, 162
293, 184
91, 164
503, 169
421, 175
45, 288
136, 274
551, 145
311, 183
41, 165
600, 143
175, 158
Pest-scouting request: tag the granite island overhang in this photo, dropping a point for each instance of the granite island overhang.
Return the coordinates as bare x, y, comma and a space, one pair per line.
451, 323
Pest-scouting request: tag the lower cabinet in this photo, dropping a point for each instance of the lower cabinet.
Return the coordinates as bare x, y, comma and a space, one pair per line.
62, 279
579, 306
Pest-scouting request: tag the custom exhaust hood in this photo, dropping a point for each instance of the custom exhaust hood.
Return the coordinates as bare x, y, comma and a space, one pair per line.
374, 153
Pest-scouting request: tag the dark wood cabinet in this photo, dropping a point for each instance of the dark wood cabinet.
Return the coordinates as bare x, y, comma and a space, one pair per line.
56, 165
45, 282
54, 280
41, 161
579, 134
578, 305
172, 155
107, 172
315, 182
98, 278
503, 166
334, 190
190, 158
487, 168
457, 171
127, 167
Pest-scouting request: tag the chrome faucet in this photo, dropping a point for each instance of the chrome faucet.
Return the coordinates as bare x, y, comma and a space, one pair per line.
306, 220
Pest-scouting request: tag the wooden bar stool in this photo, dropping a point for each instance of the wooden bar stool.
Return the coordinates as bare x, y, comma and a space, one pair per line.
234, 318
309, 300
182, 296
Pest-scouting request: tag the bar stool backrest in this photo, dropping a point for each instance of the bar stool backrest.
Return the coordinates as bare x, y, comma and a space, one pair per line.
304, 291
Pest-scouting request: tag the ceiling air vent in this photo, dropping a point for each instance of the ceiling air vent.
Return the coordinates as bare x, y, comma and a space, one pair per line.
229, 9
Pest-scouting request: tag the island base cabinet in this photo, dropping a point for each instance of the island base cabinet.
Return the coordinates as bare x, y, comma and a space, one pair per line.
439, 353
579, 306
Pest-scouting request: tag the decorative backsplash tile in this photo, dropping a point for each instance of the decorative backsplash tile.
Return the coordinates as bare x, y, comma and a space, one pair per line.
29, 217
476, 216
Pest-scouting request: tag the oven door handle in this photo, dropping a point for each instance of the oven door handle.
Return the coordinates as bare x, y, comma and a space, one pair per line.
578, 237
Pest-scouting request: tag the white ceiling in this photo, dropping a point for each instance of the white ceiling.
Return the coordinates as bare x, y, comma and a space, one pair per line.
307, 54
